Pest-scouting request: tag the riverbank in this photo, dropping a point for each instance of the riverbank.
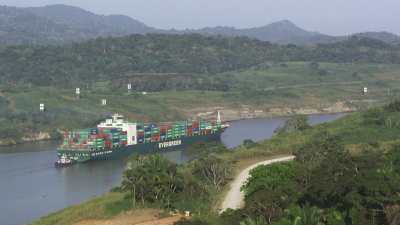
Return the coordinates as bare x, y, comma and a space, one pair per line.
263, 112
229, 114
33, 138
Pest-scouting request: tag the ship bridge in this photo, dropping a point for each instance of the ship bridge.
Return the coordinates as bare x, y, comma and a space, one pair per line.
117, 121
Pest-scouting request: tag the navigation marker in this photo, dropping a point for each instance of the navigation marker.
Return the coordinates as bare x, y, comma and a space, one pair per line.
77, 92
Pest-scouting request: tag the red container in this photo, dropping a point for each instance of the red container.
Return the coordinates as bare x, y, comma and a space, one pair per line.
165, 126
155, 138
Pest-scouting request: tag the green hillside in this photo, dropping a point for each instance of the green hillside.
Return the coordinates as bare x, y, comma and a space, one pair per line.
112, 58
281, 86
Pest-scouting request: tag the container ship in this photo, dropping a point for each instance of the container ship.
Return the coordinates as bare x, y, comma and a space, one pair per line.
116, 138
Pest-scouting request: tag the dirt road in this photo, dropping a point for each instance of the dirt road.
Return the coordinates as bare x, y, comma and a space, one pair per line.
137, 217
235, 198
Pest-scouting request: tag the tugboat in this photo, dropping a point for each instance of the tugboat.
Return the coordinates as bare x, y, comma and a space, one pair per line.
63, 162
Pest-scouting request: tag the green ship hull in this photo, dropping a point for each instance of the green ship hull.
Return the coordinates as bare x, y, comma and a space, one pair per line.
80, 156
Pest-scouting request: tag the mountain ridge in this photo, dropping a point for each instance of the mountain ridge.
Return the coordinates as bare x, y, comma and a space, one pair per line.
59, 24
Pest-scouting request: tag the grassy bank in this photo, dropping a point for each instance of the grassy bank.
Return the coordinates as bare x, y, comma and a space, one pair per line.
99, 208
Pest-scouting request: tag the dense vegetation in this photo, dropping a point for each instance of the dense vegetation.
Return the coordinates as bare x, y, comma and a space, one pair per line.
112, 58
153, 179
326, 185
60, 24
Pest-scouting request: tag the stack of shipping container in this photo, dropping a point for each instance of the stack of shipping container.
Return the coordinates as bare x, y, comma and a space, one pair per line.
95, 139
107, 138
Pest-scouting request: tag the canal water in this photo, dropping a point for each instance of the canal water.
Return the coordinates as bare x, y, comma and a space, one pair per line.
30, 186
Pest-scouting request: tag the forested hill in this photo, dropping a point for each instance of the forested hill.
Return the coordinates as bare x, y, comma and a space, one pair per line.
21, 27
60, 24
107, 58
91, 24
63, 24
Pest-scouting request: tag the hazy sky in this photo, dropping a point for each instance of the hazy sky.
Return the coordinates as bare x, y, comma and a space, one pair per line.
327, 16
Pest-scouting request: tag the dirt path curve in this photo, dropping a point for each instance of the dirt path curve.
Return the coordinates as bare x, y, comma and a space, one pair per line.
234, 199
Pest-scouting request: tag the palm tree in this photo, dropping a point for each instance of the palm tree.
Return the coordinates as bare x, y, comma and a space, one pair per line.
257, 221
305, 216
129, 184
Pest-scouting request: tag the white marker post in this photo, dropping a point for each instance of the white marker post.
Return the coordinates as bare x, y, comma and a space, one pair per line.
78, 92
365, 90
129, 88
41, 107
104, 102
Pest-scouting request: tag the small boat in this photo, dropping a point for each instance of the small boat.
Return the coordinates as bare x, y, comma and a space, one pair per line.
63, 162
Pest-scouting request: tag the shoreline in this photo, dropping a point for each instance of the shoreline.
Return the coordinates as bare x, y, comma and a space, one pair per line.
21, 142
288, 116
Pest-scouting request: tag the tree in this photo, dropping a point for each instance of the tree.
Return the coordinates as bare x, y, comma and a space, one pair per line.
270, 189
248, 143
313, 154
131, 180
263, 202
295, 123
392, 213
213, 169
257, 221
309, 215
272, 177
152, 178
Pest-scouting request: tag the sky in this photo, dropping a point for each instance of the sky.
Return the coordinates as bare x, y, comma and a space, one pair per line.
334, 17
